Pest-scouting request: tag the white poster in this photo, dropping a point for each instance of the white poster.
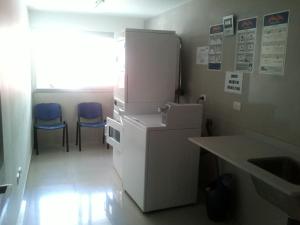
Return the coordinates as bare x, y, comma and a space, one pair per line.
215, 52
233, 82
229, 25
274, 42
202, 55
245, 45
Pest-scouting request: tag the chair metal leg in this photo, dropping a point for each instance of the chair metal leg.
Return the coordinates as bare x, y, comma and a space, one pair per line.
63, 139
35, 141
76, 133
79, 135
67, 137
103, 136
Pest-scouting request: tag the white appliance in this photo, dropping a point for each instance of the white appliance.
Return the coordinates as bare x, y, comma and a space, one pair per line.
147, 68
148, 63
160, 165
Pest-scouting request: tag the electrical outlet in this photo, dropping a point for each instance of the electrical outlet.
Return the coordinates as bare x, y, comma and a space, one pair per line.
203, 97
237, 106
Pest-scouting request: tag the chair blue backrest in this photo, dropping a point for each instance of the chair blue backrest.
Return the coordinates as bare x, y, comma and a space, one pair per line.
47, 111
89, 110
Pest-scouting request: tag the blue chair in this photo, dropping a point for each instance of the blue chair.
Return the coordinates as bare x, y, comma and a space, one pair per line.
47, 116
91, 112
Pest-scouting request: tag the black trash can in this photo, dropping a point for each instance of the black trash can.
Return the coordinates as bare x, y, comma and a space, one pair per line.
219, 198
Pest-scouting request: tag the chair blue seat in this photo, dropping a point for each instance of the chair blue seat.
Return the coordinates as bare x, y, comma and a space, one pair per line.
50, 126
91, 112
48, 116
92, 124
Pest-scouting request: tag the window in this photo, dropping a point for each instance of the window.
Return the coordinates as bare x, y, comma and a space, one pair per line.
73, 60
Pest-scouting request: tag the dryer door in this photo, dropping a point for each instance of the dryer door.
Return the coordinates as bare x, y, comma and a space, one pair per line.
113, 132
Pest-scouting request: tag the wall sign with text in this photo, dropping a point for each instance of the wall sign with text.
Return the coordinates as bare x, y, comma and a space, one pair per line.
233, 82
245, 45
229, 25
215, 52
274, 43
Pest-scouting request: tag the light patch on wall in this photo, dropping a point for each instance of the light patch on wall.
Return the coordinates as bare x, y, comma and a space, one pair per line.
73, 60
14, 58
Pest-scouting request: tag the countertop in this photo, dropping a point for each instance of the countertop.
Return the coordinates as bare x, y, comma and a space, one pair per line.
238, 149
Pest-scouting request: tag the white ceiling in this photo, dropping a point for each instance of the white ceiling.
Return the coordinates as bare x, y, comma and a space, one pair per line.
134, 8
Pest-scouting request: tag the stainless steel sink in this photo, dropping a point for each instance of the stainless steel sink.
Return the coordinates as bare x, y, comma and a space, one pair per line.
286, 169
283, 167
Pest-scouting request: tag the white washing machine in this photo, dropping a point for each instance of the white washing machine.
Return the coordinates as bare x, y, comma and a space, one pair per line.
160, 165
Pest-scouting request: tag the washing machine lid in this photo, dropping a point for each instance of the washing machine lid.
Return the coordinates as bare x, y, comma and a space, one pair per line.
147, 120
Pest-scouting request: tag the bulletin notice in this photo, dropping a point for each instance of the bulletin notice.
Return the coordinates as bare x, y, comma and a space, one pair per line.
245, 45
215, 47
274, 42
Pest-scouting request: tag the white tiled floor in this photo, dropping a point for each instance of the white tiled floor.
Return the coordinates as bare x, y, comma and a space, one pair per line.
81, 188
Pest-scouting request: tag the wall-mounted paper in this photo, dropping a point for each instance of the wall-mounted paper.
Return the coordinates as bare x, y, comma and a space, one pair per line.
233, 82
245, 45
202, 55
229, 25
273, 44
215, 53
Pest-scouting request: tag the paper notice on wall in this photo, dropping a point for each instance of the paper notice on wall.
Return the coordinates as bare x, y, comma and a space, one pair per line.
273, 44
215, 52
234, 82
245, 45
202, 55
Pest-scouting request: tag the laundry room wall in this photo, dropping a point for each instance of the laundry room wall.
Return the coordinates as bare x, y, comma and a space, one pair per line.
269, 104
15, 94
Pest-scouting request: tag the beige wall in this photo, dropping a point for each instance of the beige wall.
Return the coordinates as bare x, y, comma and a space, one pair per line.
15, 99
270, 104
69, 101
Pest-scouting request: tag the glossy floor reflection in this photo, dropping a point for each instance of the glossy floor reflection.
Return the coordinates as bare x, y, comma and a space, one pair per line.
82, 188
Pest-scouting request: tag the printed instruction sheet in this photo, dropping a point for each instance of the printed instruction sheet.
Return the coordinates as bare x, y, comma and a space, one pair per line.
215, 53
202, 55
274, 43
245, 45
233, 82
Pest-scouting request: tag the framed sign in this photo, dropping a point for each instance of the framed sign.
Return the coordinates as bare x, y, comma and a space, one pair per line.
229, 25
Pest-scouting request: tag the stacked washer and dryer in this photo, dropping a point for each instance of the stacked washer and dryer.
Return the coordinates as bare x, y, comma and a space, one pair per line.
151, 153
